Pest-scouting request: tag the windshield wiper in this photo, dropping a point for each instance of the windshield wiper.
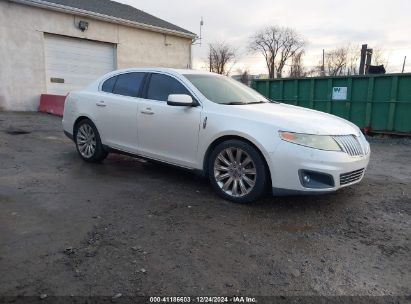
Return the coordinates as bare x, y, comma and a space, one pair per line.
273, 101
235, 103
243, 103
254, 102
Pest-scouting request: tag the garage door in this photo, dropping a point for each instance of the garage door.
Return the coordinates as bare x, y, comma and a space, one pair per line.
73, 63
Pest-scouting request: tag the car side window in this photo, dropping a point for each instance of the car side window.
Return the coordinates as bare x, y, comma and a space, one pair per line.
161, 86
128, 84
108, 85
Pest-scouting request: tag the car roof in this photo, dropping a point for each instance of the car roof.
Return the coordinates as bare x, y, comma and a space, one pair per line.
163, 70
176, 72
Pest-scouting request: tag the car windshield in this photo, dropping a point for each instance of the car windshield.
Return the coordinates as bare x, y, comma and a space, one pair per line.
224, 90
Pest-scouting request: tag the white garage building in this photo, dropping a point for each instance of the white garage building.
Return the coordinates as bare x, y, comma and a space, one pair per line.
54, 46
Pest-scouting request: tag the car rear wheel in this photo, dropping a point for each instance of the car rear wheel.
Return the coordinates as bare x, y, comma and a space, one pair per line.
237, 171
88, 142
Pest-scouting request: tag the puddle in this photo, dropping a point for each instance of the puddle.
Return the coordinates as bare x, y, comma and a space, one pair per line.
17, 132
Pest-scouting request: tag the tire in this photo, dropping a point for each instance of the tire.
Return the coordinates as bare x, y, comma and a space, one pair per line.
237, 171
88, 142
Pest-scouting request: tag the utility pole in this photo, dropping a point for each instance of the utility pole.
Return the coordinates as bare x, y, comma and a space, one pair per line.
198, 40
201, 26
362, 61
403, 65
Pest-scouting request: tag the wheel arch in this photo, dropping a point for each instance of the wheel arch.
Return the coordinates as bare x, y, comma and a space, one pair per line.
224, 138
78, 119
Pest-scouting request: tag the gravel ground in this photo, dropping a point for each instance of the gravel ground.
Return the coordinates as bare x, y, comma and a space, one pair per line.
135, 228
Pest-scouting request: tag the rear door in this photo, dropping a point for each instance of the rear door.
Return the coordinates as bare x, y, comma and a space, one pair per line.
117, 110
167, 133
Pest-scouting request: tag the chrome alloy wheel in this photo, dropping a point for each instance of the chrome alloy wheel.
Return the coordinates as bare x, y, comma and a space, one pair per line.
86, 141
235, 172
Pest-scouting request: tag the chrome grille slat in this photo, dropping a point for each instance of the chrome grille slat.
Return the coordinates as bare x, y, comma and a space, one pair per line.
352, 147
349, 180
343, 144
349, 144
350, 177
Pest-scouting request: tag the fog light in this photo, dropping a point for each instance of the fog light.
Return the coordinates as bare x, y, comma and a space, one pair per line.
316, 180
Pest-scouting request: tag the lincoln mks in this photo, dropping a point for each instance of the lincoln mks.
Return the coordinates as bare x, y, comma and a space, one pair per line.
216, 126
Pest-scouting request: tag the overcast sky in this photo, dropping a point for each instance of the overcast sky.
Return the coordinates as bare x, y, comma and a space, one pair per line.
383, 24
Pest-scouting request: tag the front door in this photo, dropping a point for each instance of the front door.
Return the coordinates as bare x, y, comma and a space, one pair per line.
167, 133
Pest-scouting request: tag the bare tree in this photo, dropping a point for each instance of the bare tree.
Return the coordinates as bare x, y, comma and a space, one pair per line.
336, 62
278, 45
353, 56
342, 61
314, 71
220, 57
379, 57
292, 43
297, 67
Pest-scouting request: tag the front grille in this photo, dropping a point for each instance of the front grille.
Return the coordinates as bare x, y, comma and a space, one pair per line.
350, 177
349, 144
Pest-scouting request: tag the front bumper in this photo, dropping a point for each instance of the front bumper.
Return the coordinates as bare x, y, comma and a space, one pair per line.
289, 159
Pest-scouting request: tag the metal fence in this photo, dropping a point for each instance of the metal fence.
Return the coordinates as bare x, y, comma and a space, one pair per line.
381, 103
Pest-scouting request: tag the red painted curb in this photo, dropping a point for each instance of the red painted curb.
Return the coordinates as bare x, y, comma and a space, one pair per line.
52, 104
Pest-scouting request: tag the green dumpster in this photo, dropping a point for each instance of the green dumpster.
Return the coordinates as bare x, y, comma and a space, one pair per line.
380, 103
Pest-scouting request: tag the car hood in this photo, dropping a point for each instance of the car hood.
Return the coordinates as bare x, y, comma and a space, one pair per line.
295, 119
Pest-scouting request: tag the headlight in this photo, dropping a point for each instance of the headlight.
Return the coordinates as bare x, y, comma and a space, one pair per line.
322, 142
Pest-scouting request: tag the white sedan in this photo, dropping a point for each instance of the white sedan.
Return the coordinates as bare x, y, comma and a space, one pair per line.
214, 125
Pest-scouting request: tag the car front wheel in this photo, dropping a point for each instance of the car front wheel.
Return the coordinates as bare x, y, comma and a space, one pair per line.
88, 142
237, 171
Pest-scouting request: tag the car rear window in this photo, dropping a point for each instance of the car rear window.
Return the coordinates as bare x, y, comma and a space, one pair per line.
128, 84
108, 85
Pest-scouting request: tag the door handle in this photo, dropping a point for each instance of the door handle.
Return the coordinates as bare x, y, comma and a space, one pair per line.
147, 111
101, 104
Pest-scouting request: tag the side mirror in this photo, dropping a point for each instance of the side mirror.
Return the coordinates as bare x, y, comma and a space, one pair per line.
180, 100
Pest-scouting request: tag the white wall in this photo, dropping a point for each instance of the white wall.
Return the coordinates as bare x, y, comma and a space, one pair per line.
22, 66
